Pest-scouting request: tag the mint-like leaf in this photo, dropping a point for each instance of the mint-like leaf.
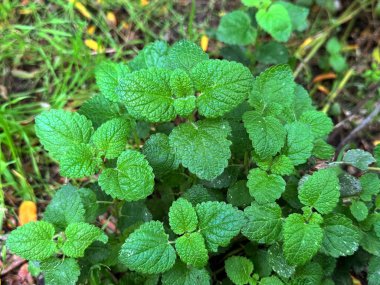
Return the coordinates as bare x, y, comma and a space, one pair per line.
181, 274
299, 142
192, 250
182, 217
320, 124
359, 158
60, 271
370, 184
239, 269
359, 210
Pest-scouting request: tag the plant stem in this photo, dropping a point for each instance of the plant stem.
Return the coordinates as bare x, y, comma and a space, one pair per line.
191, 20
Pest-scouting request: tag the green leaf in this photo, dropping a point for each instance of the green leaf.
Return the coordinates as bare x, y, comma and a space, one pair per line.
359, 210
33, 241
148, 95
239, 269
185, 106
323, 150
60, 271
181, 84
153, 55
218, 223
263, 223
338, 62
133, 213
159, 154
373, 271
266, 133
59, 130
349, 185
181, 274
333, 46
238, 194
302, 101
298, 15
99, 110
147, 249
111, 137
302, 239
321, 190
359, 158
222, 86
370, 184
202, 147
110, 79
278, 262
272, 53
198, 194
320, 124
131, 180
259, 4
185, 55
79, 236
66, 207
192, 250
79, 161
282, 165
90, 204
340, 236
265, 188
299, 142
235, 29
311, 273
370, 243
182, 217
272, 280
275, 21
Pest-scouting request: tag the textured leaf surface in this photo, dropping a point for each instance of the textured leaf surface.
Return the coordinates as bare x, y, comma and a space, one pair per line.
374, 271
153, 55
218, 223
320, 190
111, 137
33, 241
301, 240
79, 236
147, 249
79, 161
131, 180
265, 187
238, 194
299, 142
271, 280
198, 194
370, 184
109, 78
359, 158
275, 21
60, 271
181, 274
263, 223
321, 125
192, 250
282, 165
202, 147
66, 207
59, 130
239, 269
278, 262
133, 213
181, 84
235, 29
341, 237
222, 84
182, 217
159, 154
359, 210
266, 133
148, 95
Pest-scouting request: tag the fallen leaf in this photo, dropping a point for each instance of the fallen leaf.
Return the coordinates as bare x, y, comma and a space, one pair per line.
124, 25
81, 8
94, 45
91, 30
144, 2
325, 76
27, 212
111, 18
204, 42
323, 89
376, 54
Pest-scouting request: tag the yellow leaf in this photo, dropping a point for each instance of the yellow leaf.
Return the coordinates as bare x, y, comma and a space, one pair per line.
25, 11
144, 2
27, 212
376, 54
81, 8
204, 42
94, 45
375, 143
111, 18
124, 25
91, 30
355, 281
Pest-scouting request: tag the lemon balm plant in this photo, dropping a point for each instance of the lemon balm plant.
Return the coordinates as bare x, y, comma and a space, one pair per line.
210, 174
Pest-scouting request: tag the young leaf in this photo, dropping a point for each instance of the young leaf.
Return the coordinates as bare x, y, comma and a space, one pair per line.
111, 137
185, 106
79, 236
320, 190
181, 84
266, 133
222, 86
235, 29
66, 207
79, 161
370, 184
182, 217
147, 250
131, 180
192, 250
218, 223
59, 130
299, 142
263, 223
320, 124
302, 239
359, 158
181, 274
159, 154
359, 210
60, 271
340, 236
109, 78
33, 241
239, 269
265, 188
202, 147
275, 21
